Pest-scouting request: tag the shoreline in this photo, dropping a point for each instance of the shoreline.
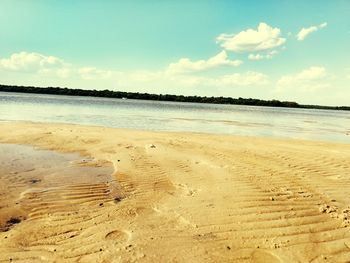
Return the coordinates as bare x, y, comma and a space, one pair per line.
190, 197
190, 133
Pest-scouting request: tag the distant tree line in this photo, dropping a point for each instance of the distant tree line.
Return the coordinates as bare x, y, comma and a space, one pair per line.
161, 97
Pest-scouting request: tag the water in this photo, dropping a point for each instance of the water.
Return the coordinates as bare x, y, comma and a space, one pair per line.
327, 125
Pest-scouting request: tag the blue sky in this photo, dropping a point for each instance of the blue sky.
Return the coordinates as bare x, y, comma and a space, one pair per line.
288, 50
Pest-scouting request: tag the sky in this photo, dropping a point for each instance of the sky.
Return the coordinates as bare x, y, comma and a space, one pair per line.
273, 49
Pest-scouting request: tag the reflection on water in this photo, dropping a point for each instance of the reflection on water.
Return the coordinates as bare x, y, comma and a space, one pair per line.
38, 182
174, 116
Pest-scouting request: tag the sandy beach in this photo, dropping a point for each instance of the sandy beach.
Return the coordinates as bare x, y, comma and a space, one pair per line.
176, 197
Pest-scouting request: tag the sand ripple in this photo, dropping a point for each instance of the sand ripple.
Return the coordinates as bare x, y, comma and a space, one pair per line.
182, 198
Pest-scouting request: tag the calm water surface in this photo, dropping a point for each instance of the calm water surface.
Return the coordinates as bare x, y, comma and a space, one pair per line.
312, 124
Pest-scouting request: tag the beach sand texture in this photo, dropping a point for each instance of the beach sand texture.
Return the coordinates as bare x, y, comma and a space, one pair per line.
181, 197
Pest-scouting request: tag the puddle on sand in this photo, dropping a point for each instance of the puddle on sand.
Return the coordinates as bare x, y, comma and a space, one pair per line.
35, 183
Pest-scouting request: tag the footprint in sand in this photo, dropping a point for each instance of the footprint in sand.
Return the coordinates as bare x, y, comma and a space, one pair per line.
187, 190
173, 217
119, 235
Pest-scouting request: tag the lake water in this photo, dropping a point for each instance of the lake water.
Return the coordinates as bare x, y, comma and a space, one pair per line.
311, 124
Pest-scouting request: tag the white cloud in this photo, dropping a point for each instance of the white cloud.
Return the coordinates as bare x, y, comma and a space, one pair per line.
312, 73
30, 62
264, 38
250, 78
93, 73
247, 79
185, 65
63, 72
234, 80
324, 24
304, 32
49, 70
310, 79
258, 56
172, 74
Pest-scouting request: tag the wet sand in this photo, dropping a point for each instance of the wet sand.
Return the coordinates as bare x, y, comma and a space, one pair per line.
180, 197
37, 182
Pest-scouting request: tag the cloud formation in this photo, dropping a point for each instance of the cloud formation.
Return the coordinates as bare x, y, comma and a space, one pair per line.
309, 79
251, 40
304, 32
246, 79
93, 73
176, 76
185, 65
259, 56
250, 78
31, 62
